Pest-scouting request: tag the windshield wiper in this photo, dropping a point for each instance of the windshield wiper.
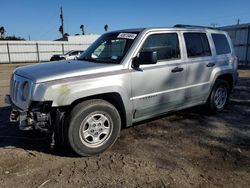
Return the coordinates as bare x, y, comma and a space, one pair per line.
106, 61
98, 60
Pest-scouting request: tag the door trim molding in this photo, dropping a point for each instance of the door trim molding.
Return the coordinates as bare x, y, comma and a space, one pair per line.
150, 95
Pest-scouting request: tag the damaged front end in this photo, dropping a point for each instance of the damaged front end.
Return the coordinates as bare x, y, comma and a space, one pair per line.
36, 117
41, 117
32, 110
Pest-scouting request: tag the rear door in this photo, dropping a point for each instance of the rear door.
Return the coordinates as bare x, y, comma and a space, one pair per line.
200, 64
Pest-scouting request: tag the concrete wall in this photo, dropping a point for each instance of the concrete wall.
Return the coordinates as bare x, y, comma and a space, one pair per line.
39, 51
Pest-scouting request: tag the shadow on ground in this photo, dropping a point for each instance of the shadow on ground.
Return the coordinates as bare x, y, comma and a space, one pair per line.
11, 137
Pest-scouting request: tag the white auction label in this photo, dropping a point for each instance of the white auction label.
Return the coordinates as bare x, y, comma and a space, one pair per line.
127, 35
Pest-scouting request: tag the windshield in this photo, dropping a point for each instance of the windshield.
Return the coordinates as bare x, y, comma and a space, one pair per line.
109, 48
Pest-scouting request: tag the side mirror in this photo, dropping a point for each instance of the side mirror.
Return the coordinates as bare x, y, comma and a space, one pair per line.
145, 58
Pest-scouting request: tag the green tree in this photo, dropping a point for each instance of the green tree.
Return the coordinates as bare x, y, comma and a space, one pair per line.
13, 38
2, 31
106, 27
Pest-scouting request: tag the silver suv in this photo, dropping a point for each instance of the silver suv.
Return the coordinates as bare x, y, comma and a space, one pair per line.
124, 77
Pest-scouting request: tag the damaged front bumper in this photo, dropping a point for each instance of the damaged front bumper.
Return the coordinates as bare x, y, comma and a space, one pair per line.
32, 119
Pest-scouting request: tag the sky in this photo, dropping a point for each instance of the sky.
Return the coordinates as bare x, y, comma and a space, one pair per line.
40, 19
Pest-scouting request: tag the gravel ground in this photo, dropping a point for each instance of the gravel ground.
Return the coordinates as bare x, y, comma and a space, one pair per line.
182, 149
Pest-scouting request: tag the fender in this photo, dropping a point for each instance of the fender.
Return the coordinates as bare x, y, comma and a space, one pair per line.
218, 71
64, 93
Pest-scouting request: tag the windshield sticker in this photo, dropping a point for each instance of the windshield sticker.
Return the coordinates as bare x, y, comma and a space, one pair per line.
127, 35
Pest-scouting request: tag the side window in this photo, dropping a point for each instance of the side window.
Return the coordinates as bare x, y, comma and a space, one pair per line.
197, 44
221, 44
166, 45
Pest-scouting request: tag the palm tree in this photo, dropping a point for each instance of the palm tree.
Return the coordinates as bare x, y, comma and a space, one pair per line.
106, 27
82, 29
65, 35
2, 31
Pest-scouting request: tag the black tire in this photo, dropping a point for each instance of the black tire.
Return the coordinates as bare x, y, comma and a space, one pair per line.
213, 106
84, 115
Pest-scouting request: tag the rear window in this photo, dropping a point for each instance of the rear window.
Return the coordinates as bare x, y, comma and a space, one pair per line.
221, 44
197, 45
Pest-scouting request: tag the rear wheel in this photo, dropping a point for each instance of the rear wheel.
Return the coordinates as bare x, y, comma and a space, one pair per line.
219, 96
94, 126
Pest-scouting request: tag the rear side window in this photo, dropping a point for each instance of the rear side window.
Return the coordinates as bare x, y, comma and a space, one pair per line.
197, 45
166, 45
221, 44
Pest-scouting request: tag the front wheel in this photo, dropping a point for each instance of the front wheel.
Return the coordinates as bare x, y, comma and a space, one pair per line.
219, 96
94, 126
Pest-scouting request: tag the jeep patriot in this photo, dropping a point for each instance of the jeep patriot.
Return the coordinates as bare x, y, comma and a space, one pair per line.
124, 77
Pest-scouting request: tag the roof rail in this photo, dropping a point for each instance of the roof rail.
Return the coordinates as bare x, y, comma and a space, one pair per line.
193, 26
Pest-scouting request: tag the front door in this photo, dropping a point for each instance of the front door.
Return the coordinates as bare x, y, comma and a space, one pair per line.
159, 88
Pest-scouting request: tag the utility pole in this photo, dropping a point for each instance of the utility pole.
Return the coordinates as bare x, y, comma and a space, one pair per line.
61, 29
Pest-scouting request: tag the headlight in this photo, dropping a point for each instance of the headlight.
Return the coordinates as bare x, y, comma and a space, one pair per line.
25, 91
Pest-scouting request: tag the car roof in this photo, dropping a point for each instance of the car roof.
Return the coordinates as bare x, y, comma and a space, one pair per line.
132, 30
176, 28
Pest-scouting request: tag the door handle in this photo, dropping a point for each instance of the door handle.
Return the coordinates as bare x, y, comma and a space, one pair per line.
210, 64
177, 69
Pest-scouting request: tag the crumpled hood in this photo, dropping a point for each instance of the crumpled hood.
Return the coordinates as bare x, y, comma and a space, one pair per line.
45, 72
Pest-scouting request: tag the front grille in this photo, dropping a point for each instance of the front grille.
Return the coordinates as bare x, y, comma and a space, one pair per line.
14, 89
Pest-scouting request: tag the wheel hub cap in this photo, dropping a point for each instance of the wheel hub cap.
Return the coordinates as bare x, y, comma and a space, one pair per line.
220, 97
95, 129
